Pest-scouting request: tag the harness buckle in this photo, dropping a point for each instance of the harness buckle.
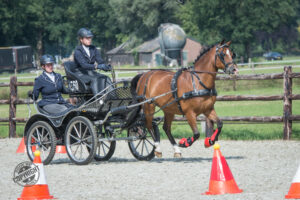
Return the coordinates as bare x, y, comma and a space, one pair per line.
151, 101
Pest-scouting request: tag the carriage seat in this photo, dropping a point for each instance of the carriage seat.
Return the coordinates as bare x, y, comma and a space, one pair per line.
43, 111
75, 83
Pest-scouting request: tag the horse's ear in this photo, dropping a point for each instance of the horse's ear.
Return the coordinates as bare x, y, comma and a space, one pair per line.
228, 43
222, 42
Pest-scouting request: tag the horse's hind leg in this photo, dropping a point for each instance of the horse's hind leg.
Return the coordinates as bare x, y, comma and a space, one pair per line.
209, 127
210, 140
192, 120
149, 110
167, 128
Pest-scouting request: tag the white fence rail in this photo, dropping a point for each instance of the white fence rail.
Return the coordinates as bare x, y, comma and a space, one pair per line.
268, 62
130, 71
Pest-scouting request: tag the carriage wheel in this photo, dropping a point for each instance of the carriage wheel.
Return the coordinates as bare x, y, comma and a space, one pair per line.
105, 149
41, 136
80, 140
142, 148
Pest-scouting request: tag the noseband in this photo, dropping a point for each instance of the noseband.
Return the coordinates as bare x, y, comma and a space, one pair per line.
221, 56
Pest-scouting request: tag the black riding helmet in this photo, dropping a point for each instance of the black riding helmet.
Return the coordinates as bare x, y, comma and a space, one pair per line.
84, 33
46, 59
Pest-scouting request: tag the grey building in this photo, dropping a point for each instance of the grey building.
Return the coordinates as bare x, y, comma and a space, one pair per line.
147, 54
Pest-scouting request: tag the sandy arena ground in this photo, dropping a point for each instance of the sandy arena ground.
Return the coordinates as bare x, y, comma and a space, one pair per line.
263, 169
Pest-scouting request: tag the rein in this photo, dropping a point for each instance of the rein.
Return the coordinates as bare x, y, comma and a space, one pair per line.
207, 72
201, 71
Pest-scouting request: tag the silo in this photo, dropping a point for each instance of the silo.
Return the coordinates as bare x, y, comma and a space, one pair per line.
172, 39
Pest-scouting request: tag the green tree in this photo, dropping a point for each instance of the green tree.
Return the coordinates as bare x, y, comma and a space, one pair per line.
10, 23
51, 26
235, 20
97, 16
139, 19
46, 22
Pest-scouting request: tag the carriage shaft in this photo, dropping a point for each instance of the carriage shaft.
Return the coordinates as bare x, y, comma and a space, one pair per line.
132, 138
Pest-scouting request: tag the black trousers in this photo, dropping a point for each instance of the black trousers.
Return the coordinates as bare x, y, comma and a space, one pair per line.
97, 81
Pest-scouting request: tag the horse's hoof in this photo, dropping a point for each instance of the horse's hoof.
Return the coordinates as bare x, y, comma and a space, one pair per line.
177, 155
186, 142
208, 142
158, 154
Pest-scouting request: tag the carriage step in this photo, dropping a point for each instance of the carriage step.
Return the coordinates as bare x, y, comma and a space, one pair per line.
133, 138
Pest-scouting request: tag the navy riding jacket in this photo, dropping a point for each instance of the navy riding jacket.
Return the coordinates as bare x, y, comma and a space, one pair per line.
85, 62
51, 91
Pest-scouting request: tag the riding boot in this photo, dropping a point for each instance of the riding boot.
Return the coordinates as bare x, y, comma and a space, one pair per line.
101, 83
95, 86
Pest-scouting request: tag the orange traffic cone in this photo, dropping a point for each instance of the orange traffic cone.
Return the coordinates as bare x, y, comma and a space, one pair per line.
60, 149
294, 192
40, 189
21, 148
221, 178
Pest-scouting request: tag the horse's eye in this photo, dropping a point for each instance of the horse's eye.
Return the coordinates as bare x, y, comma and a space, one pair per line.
233, 55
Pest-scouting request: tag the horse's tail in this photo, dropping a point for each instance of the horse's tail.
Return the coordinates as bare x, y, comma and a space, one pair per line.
133, 85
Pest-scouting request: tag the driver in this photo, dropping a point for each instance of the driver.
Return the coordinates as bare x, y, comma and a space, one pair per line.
50, 85
85, 56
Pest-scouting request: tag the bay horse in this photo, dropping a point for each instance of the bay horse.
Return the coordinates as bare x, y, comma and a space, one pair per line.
184, 95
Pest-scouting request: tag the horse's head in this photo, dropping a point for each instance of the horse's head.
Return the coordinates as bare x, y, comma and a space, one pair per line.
224, 58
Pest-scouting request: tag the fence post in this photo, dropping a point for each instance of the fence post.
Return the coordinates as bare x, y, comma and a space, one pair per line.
12, 106
287, 103
234, 82
16, 61
249, 63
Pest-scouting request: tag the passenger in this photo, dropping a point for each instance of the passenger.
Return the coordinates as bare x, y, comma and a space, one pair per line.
50, 85
86, 56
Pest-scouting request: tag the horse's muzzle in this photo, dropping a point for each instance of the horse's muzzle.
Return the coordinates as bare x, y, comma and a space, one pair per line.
232, 69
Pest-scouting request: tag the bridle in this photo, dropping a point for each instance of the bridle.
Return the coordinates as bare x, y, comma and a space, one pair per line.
220, 54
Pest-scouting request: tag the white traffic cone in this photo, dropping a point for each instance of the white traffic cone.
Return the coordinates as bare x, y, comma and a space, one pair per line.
294, 192
40, 189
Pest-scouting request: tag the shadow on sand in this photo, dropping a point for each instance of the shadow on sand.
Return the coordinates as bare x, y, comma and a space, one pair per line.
117, 160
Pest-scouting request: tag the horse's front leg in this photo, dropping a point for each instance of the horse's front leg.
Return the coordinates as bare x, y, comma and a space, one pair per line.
192, 120
210, 140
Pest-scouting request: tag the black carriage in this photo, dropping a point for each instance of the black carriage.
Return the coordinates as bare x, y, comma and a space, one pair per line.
90, 129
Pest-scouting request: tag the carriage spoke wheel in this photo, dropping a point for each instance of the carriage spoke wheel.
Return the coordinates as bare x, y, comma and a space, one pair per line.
105, 149
41, 136
142, 148
80, 140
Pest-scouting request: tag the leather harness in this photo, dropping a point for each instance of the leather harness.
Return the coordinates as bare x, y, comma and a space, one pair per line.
194, 93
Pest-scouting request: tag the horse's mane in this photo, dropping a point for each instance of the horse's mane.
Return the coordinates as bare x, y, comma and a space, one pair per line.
203, 51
